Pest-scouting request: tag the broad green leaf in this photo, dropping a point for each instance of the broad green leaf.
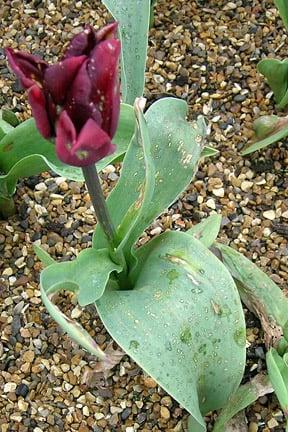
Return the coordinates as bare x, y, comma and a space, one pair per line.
182, 323
271, 130
282, 6
207, 230
276, 73
23, 148
244, 396
87, 274
10, 117
133, 17
278, 374
5, 126
77, 333
175, 147
257, 290
282, 346
44, 256
208, 152
25, 167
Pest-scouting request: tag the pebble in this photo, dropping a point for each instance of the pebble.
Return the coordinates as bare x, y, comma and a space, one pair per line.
156, 231
165, 413
269, 214
22, 390
211, 203
149, 382
41, 186
219, 192
246, 185
42, 211
9, 387
253, 427
22, 405
272, 423
76, 312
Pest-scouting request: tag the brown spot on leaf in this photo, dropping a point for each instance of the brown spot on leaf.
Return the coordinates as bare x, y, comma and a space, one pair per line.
8, 147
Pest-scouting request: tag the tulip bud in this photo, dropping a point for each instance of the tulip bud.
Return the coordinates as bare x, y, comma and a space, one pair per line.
76, 100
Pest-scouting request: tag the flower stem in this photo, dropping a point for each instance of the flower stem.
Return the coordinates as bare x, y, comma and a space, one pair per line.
99, 203
104, 219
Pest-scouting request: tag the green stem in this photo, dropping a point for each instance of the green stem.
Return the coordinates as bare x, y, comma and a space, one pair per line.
104, 219
7, 207
99, 203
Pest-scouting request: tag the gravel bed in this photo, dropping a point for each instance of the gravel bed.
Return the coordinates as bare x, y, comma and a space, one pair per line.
206, 53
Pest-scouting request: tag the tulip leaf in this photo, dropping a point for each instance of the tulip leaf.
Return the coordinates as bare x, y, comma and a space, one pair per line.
276, 72
207, 230
5, 126
25, 167
208, 152
44, 256
135, 219
278, 374
260, 294
133, 17
283, 11
10, 117
277, 135
175, 148
87, 274
182, 323
244, 396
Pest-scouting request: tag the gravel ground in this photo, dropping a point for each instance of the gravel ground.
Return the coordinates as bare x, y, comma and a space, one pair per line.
206, 53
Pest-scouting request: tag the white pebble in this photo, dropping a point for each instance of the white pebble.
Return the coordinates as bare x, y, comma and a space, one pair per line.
219, 192
269, 214
211, 203
41, 186
156, 231
76, 313
246, 185
9, 387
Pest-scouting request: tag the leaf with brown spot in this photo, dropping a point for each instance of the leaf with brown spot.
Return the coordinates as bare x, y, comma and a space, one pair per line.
259, 293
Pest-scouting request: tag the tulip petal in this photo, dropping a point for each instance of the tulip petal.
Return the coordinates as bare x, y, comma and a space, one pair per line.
82, 43
27, 67
107, 32
37, 101
65, 139
103, 72
93, 141
78, 104
59, 77
91, 145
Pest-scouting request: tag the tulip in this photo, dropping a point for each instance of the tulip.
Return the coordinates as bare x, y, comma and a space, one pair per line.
77, 100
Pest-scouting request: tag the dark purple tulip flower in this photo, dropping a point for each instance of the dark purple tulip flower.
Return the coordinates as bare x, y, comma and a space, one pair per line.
78, 99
